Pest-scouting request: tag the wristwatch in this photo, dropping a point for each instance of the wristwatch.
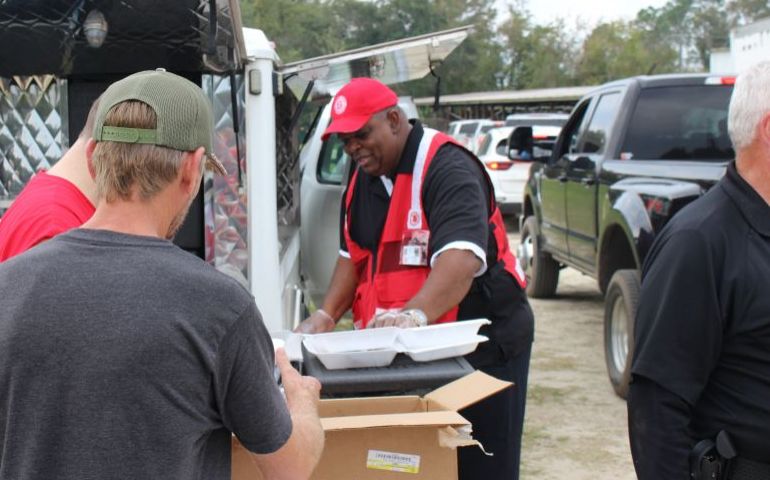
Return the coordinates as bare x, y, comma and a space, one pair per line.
418, 316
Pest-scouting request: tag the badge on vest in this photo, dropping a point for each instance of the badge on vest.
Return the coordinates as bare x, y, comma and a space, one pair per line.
414, 248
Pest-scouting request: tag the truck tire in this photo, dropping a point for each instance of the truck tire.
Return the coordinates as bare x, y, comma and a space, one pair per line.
541, 270
620, 305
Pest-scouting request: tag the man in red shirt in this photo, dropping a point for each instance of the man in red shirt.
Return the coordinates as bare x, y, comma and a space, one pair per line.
52, 202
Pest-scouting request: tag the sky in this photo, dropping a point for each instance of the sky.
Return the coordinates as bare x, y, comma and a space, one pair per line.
591, 11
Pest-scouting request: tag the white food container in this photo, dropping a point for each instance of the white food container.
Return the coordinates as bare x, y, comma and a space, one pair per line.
380, 357
447, 350
441, 334
352, 340
292, 343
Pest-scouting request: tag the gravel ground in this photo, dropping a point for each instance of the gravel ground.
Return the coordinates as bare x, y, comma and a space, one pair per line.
575, 426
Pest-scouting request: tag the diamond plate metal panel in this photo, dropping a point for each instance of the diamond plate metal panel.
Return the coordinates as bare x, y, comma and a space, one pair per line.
33, 113
287, 167
226, 203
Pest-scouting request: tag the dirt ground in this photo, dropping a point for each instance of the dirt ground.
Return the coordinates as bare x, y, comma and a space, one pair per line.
575, 425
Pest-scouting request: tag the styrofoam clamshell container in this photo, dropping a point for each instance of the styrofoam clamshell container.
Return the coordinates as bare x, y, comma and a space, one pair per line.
352, 340
292, 343
446, 351
441, 334
381, 357
374, 347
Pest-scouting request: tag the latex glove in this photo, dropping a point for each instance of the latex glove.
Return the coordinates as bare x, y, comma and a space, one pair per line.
412, 317
318, 322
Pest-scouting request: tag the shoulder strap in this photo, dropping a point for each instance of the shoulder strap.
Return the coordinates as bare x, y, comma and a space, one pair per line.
414, 220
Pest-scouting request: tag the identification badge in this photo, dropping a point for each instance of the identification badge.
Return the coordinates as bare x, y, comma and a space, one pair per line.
414, 248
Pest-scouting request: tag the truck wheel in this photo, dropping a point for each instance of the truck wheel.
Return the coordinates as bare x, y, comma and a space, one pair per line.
620, 305
541, 270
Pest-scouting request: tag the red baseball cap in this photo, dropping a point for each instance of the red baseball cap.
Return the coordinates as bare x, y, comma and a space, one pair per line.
355, 104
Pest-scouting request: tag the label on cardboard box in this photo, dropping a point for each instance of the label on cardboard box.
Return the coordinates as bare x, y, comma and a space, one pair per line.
393, 462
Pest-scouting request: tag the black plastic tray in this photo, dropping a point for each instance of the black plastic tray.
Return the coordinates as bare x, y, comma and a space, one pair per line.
402, 377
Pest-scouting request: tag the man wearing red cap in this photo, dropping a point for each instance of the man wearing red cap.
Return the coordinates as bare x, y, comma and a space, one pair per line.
422, 242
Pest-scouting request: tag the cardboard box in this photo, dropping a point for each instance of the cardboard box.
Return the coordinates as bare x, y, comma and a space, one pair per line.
407, 437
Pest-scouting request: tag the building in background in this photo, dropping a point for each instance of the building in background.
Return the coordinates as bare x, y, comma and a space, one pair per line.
749, 44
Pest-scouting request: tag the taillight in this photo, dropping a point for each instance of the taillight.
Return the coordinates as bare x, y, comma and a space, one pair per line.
498, 165
656, 205
720, 81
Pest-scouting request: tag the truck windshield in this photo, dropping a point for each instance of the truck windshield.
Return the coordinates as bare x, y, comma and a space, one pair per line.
680, 123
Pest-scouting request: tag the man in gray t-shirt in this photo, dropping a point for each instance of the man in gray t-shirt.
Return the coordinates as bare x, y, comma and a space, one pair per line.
122, 356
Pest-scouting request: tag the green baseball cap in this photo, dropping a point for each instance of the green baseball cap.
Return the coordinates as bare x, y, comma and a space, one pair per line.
184, 118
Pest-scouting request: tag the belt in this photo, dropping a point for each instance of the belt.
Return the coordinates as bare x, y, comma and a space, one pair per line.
745, 469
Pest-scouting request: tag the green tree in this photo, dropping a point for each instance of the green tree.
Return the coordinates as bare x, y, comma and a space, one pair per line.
621, 49
537, 56
695, 27
666, 26
473, 65
746, 11
709, 28
299, 28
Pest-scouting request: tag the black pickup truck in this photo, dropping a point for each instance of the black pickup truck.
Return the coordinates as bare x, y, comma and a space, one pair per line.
631, 155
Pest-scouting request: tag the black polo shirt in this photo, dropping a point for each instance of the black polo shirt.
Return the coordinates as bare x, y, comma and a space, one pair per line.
702, 355
456, 199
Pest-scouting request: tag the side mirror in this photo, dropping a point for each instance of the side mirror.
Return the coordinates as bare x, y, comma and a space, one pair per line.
520, 144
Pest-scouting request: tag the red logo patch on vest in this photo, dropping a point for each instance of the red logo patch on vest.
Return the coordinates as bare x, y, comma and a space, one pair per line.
414, 219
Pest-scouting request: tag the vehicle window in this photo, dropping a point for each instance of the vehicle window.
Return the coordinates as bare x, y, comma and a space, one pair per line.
502, 147
571, 130
486, 128
333, 163
484, 146
468, 128
680, 123
595, 138
551, 122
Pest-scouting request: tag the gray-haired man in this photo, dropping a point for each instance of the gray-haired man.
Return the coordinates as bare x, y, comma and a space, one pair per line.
701, 368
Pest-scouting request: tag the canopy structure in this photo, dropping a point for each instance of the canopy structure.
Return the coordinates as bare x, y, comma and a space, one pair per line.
390, 62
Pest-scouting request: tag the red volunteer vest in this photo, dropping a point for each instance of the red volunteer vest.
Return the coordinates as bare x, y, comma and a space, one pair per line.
390, 284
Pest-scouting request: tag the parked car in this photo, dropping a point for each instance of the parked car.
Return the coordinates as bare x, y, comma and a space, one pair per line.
631, 155
468, 132
509, 170
536, 118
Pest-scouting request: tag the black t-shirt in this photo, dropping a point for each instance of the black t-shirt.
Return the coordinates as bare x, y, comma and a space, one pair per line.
703, 325
456, 199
